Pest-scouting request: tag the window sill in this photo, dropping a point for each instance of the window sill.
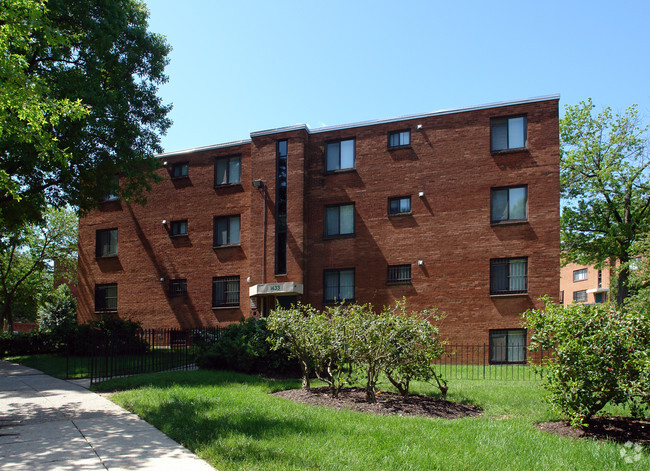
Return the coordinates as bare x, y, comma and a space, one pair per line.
221, 308
228, 185
399, 147
341, 170
105, 257
176, 295
340, 236
398, 283
512, 222
109, 200
225, 246
508, 295
509, 151
182, 177
106, 312
177, 236
399, 215
332, 302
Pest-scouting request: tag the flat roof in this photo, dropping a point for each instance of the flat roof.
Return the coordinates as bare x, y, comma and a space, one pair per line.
364, 123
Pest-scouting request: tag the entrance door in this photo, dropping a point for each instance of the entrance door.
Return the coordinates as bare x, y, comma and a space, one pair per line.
285, 302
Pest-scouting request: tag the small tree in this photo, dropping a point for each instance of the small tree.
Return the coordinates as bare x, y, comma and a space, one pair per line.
418, 345
293, 329
601, 356
331, 347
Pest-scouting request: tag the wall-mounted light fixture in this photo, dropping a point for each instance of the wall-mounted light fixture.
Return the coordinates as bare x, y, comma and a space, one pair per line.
421, 194
420, 262
419, 126
258, 183
165, 163
162, 280
164, 222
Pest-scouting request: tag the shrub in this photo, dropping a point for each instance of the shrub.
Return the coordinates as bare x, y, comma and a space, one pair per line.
58, 316
601, 356
243, 347
25, 343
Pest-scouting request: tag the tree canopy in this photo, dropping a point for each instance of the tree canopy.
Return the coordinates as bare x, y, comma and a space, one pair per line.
605, 178
78, 104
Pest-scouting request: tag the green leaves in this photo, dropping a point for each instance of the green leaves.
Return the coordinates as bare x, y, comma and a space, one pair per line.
605, 180
600, 356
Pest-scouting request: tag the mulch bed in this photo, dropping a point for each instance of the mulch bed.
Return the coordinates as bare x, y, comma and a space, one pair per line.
387, 403
618, 429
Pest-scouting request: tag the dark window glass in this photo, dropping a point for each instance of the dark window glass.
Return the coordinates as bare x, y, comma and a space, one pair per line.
600, 298
112, 196
281, 208
399, 273
338, 285
226, 230
227, 170
580, 296
508, 275
508, 133
509, 204
179, 228
508, 346
399, 138
340, 155
225, 291
339, 220
180, 170
106, 243
399, 205
178, 287
106, 297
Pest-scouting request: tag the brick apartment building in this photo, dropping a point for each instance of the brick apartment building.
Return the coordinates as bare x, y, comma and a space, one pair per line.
457, 209
584, 284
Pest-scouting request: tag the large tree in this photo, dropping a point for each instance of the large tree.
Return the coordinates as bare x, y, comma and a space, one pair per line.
27, 262
605, 177
78, 104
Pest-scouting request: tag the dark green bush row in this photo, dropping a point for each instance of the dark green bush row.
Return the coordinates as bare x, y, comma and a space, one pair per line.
243, 347
117, 335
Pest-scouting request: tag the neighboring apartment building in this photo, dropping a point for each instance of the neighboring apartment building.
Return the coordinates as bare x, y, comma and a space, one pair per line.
456, 209
584, 284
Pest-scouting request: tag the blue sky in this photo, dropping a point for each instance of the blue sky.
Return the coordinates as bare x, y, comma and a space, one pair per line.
243, 66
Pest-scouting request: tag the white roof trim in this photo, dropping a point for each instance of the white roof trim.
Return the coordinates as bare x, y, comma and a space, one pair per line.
199, 149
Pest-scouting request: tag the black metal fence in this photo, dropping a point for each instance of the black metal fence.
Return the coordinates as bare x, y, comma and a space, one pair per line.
498, 362
109, 355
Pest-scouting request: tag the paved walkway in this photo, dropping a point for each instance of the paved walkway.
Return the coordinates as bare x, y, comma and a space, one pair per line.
51, 424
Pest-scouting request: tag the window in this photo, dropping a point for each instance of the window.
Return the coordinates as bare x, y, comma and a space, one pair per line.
399, 273
106, 297
115, 189
106, 243
600, 278
226, 230
178, 287
580, 296
580, 275
508, 276
508, 346
179, 228
339, 220
225, 291
401, 205
508, 204
600, 298
281, 207
340, 155
180, 170
399, 138
338, 285
227, 170
508, 133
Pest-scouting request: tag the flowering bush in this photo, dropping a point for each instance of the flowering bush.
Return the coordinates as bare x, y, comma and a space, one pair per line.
601, 355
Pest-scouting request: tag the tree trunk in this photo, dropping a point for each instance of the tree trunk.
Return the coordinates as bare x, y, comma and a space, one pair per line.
305, 375
7, 317
621, 286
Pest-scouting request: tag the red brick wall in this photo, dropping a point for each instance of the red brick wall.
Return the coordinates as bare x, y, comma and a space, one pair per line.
449, 160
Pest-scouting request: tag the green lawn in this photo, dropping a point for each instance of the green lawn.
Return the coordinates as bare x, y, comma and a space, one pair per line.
233, 422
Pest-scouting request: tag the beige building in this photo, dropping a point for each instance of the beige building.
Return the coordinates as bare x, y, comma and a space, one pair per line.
584, 284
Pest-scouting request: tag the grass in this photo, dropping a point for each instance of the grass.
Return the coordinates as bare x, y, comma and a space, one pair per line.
53, 365
233, 422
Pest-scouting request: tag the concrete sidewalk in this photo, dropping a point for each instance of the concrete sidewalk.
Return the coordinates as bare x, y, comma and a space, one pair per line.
48, 423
